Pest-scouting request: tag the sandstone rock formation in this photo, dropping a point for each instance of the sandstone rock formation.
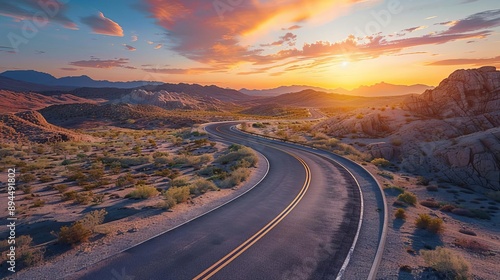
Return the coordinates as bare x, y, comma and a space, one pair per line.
465, 93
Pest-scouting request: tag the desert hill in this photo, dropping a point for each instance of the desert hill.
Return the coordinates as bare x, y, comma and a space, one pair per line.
13, 102
312, 98
32, 126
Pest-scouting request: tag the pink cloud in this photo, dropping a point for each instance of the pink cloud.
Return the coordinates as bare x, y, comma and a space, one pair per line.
99, 63
468, 61
102, 25
27, 9
130, 48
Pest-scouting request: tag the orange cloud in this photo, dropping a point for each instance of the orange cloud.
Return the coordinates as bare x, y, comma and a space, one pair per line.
102, 25
468, 61
106, 64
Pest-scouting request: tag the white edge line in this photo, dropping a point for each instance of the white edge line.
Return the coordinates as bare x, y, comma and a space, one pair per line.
199, 216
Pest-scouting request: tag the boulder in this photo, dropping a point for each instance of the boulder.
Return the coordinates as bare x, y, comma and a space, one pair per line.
381, 150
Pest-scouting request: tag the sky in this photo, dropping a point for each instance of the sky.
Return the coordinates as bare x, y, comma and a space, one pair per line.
252, 44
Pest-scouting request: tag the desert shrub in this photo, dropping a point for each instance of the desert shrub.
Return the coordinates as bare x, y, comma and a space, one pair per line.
238, 156
46, 178
142, 192
400, 214
27, 178
431, 203
381, 162
161, 160
84, 198
26, 255
396, 189
386, 175
210, 171
80, 231
434, 225
408, 197
422, 181
26, 189
38, 202
447, 208
472, 245
71, 195
178, 194
448, 265
202, 186
179, 182
125, 180
66, 162
236, 177
258, 125
60, 187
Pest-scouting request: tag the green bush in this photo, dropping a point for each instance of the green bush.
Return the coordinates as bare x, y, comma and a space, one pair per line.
400, 214
448, 265
202, 186
80, 231
408, 197
236, 177
434, 225
178, 194
381, 162
143, 192
61, 187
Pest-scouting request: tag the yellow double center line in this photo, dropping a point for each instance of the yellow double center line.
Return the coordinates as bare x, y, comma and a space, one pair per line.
216, 267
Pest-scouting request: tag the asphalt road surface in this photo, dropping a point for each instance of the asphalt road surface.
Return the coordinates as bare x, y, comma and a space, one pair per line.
298, 223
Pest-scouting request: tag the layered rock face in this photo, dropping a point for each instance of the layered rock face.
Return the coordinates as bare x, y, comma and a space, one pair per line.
463, 143
465, 93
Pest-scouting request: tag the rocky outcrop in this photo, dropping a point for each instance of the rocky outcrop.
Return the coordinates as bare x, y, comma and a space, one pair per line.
169, 100
381, 150
369, 125
465, 93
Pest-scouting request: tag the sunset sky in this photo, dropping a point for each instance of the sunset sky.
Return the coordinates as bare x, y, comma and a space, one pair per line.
251, 43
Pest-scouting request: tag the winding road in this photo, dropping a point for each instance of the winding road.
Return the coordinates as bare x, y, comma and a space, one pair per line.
298, 223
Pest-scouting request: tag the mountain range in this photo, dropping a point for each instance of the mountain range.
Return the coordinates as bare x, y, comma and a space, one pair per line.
376, 90
72, 82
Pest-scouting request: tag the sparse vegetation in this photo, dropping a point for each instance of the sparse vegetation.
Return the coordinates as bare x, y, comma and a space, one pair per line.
381, 162
400, 214
81, 230
142, 192
408, 198
449, 265
434, 225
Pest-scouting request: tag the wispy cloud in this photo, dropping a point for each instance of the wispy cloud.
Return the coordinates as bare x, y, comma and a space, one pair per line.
102, 25
134, 38
69, 69
483, 20
99, 63
468, 61
129, 47
289, 38
27, 9
179, 71
158, 46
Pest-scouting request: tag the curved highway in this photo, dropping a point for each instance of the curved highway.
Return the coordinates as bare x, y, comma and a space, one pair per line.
298, 223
